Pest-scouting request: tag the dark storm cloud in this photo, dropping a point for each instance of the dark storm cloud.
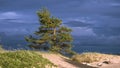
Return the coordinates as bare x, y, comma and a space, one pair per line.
118, 1
14, 12
100, 44
114, 12
107, 31
59, 8
103, 14
92, 21
10, 27
18, 5
31, 5
77, 24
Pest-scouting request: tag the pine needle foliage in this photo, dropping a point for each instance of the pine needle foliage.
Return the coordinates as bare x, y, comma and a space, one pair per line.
52, 36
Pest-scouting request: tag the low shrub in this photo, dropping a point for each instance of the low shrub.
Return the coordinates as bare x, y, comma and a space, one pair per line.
23, 59
87, 57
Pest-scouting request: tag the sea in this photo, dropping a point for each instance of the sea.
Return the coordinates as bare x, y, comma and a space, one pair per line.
79, 44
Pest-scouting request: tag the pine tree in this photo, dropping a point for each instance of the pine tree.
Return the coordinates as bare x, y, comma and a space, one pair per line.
51, 34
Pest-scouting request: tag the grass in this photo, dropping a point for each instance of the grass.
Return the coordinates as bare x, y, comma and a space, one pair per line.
1, 49
33, 59
90, 57
23, 59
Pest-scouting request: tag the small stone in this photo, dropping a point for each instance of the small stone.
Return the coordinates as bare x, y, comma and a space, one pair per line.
84, 63
88, 64
99, 64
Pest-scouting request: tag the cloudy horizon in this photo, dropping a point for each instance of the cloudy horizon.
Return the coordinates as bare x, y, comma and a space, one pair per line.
99, 19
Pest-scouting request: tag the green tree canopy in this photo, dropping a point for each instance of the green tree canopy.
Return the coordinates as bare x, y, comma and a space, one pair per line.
51, 34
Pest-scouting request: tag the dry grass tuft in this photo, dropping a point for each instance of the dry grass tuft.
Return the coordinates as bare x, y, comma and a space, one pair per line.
91, 57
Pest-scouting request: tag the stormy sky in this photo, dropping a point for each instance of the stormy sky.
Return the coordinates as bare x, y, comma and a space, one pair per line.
96, 19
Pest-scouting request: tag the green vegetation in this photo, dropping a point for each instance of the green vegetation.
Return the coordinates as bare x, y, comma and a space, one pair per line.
52, 36
23, 59
92, 57
88, 57
1, 49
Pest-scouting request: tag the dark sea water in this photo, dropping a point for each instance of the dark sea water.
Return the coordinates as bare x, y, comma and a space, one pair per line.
79, 45
100, 49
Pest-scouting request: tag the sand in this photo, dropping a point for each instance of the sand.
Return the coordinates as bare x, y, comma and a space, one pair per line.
64, 62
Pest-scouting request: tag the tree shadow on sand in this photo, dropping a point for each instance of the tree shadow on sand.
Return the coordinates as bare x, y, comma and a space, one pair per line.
76, 64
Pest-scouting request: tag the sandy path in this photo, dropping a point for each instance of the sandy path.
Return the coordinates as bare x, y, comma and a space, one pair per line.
63, 62
112, 66
114, 61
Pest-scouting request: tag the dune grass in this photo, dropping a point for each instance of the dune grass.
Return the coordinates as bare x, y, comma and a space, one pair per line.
90, 57
23, 59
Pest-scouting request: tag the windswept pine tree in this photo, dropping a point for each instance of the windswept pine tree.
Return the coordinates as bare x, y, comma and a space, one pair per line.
51, 34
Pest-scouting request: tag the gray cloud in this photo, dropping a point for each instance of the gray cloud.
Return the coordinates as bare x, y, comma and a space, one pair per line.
97, 44
92, 21
107, 31
9, 16
114, 12
103, 14
77, 24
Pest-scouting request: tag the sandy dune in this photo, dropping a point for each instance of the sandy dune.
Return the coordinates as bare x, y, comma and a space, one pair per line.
112, 66
64, 62
111, 61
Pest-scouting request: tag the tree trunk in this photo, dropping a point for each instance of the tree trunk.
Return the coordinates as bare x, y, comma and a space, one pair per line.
54, 33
